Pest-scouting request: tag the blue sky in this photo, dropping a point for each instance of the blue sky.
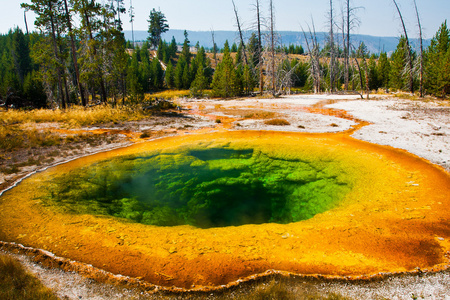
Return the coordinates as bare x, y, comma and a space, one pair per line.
378, 17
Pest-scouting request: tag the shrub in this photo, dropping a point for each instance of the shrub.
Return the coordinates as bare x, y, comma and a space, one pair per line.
17, 284
277, 122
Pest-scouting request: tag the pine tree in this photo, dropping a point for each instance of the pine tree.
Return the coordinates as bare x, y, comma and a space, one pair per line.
437, 66
373, 74
173, 48
383, 70
157, 74
223, 83
51, 21
186, 77
156, 27
200, 83
186, 52
135, 88
170, 76
179, 69
398, 78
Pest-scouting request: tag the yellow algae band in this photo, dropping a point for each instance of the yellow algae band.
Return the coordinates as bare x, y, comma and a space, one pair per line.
210, 209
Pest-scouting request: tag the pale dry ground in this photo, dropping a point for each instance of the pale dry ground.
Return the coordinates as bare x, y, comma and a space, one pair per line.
420, 127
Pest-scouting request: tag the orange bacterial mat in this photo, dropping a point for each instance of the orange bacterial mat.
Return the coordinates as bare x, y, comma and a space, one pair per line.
394, 219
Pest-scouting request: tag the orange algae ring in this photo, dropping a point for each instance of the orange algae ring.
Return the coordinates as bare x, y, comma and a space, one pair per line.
395, 218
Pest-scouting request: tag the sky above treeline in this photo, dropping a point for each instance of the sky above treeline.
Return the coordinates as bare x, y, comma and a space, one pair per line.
377, 17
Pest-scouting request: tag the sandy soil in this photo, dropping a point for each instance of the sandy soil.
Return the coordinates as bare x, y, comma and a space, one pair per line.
419, 127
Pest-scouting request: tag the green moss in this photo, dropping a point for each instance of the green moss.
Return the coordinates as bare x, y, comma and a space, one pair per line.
204, 187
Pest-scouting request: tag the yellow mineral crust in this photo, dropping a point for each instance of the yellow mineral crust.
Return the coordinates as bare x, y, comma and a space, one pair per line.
395, 219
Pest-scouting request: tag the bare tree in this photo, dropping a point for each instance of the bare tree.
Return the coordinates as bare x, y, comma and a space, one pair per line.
261, 72
132, 21
409, 71
332, 50
240, 32
314, 57
421, 51
349, 22
214, 47
272, 44
25, 19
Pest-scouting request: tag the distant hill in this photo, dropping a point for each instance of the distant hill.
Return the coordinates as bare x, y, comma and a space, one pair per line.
374, 44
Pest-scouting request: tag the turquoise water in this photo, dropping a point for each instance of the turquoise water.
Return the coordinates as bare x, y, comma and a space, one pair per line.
203, 187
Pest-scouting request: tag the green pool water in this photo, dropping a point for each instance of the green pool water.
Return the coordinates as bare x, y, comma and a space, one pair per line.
202, 186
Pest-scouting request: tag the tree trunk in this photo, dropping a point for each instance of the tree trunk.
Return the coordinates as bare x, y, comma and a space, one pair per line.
74, 55
240, 32
214, 48
421, 51
261, 73
25, 19
347, 47
272, 45
408, 51
331, 48
56, 54
94, 51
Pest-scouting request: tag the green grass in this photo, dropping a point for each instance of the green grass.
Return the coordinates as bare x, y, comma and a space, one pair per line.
17, 284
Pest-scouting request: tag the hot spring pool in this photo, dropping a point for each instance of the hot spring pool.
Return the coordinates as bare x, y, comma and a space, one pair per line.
207, 210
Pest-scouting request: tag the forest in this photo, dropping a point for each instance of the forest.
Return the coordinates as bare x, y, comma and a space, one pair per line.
89, 62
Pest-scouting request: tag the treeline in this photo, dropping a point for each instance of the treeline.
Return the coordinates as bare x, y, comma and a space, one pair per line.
89, 61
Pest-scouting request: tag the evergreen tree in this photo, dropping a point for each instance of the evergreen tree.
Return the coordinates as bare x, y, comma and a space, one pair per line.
157, 25
224, 80
200, 83
398, 78
145, 68
173, 48
186, 52
135, 88
437, 63
383, 70
179, 69
373, 74
234, 48
248, 80
161, 50
186, 78
253, 49
170, 76
157, 74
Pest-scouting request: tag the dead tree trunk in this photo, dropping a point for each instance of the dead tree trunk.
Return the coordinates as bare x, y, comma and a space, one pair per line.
331, 67
132, 22
26, 23
240, 32
313, 51
214, 48
347, 47
361, 82
272, 46
408, 50
261, 72
421, 51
